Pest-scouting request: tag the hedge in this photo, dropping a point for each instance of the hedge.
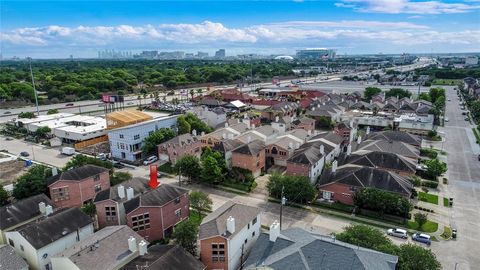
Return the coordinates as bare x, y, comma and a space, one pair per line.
428, 153
430, 184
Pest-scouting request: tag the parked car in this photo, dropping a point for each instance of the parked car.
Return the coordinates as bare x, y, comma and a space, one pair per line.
69, 105
446, 119
454, 233
68, 151
24, 154
160, 174
478, 157
7, 112
401, 233
129, 103
422, 238
150, 160
118, 165
102, 156
467, 119
8, 139
464, 113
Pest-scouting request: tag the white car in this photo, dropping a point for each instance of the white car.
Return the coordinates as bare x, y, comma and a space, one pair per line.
150, 160
446, 119
401, 233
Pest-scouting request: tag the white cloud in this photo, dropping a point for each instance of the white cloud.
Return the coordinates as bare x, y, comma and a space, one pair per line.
407, 6
290, 34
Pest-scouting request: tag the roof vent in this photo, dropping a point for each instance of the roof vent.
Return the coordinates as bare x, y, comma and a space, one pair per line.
48, 210
132, 244
231, 225
129, 193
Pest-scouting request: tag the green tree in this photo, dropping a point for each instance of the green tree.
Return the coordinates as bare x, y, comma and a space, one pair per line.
185, 235
52, 111
425, 96
3, 196
367, 237
81, 160
42, 132
475, 109
211, 171
420, 218
435, 168
119, 177
413, 257
296, 188
200, 202
381, 201
208, 152
183, 126
398, 92
33, 182
324, 122
89, 209
150, 144
26, 115
189, 166
370, 92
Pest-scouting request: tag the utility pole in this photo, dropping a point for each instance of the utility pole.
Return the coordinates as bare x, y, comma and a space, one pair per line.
33, 84
281, 207
179, 176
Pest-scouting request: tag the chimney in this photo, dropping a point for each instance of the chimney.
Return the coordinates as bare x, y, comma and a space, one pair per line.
323, 103
231, 225
249, 139
277, 118
194, 132
42, 207
313, 108
224, 135
334, 166
349, 149
226, 124
309, 132
359, 139
54, 171
371, 102
297, 146
274, 231
129, 193
290, 145
203, 133
121, 191
142, 248
351, 123
368, 130
322, 149
48, 210
230, 136
132, 244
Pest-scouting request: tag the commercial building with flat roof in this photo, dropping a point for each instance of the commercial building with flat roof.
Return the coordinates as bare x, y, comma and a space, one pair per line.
316, 53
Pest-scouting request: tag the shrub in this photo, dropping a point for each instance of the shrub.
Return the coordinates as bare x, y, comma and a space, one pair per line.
430, 184
428, 153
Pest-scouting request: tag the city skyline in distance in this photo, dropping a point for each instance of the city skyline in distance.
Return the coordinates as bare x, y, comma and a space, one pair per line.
58, 29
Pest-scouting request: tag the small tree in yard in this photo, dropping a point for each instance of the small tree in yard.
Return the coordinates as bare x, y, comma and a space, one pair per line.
185, 234
89, 209
435, 168
52, 111
413, 257
42, 132
296, 188
367, 237
32, 182
119, 177
211, 171
3, 196
153, 140
189, 166
200, 202
420, 218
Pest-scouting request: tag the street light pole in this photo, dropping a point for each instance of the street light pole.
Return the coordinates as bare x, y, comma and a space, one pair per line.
33, 84
282, 203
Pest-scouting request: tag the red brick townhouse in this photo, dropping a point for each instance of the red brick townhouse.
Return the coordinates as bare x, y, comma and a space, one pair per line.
154, 214
250, 156
77, 186
179, 146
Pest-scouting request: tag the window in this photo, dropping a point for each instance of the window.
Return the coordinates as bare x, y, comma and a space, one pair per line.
98, 188
177, 200
178, 212
123, 155
141, 222
246, 240
218, 252
248, 226
110, 213
96, 177
253, 234
60, 194
21, 247
136, 137
254, 221
121, 136
47, 266
11, 243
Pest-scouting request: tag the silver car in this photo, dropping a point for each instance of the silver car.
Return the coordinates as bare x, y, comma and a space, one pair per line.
401, 233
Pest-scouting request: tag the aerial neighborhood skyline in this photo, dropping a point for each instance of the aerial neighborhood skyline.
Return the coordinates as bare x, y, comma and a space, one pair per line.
262, 27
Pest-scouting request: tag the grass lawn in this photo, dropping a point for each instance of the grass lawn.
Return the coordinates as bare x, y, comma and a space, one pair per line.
445, 202
445, 82
196, 217
428, 227
427, 197
447, 233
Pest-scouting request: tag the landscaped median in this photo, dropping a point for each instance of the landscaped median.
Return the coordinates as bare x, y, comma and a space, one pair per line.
428, 227
427, 197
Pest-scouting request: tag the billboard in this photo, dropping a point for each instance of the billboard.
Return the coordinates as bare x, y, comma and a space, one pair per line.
107, 98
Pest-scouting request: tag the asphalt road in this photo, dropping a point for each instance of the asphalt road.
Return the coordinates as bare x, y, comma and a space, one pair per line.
464, 186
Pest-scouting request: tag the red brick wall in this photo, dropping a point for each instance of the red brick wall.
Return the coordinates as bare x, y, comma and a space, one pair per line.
80, 191
249, 162
159, 222
341, 193
206, 253
306, 127
297, 169
101, 216
175, 151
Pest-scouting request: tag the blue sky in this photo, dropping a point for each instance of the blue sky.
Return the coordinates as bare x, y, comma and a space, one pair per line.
56, 29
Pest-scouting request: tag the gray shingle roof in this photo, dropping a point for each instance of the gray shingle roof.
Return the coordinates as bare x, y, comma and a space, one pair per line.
392, 135
329, 136
9, 260
157, 197
139, 185
396, 147
23, 210
110, 249
384, 160
251, 148
215, 223
77, 174
227, 145
298, 249
309, 153
361, 176
162, 257
54, 227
